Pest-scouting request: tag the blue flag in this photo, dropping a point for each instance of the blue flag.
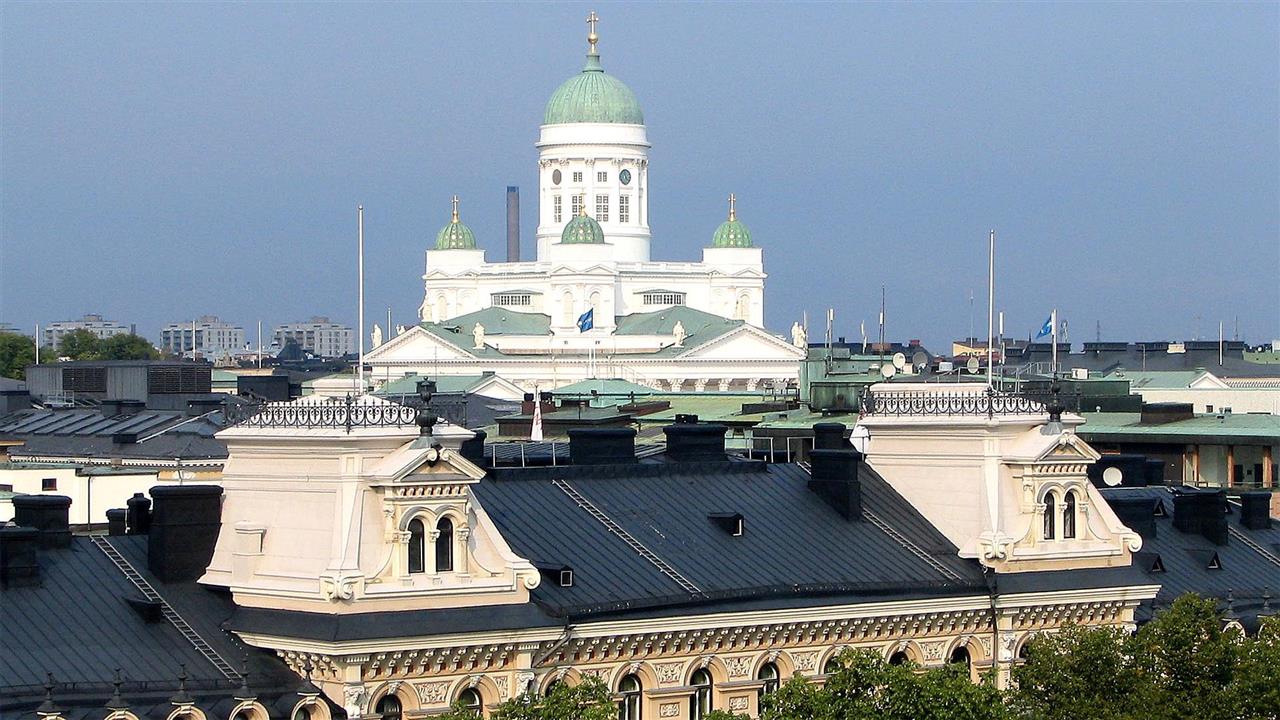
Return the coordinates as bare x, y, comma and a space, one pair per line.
586, 320
1047, 329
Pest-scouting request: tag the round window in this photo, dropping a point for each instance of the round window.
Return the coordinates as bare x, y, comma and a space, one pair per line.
555, 177
625, 177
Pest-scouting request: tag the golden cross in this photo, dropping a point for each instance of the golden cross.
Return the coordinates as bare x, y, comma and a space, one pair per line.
592, 38
733, 214
455, 208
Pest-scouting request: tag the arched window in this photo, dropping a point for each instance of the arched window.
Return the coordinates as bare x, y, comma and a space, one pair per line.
768, 674
1069, 515
470, 702
899, 658
551, 687
566, 308
389, 708
594, 301
700, 701
1050, 512
743, 307
417, 546
442, 309
629, 706
959, 655
832, 665
444, 545
302, 713
243, 714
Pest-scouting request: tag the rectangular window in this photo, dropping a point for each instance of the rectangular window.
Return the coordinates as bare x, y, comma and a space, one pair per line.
624, 208
512, 299
555, 208
602, 208
663, 298
577, 176
576, 205
602, 177
49, 484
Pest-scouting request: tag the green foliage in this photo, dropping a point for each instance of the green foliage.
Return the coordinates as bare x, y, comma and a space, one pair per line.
588, 700
1186, 662
79, 344
1257, 677
16, 353
865, 687
127, 347
1078, 673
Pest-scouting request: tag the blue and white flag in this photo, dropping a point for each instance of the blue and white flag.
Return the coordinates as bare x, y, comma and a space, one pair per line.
586, 320
1047, 329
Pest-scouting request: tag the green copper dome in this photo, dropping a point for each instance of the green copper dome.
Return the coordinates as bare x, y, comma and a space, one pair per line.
593, 96
455, 235
732, 233
582, 230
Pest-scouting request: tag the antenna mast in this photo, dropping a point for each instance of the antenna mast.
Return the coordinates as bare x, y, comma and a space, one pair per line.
360, 304
991, 308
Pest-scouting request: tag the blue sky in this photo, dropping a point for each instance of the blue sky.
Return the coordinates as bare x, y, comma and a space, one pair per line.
160, 161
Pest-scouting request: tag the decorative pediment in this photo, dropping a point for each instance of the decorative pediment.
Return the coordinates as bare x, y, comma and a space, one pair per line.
597, 269
1068, 448
747, 342
417, 343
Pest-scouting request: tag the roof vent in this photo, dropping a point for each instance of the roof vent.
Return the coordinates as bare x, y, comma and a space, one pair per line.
1148, 562
560, 575
732, 523
1208, 559
829, 436
46, 513
125, 438
1255, 509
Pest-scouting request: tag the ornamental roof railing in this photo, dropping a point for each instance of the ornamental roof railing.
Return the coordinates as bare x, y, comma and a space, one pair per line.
346, 413
990, 402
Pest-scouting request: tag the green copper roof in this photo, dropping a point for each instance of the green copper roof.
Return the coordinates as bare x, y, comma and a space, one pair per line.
582, 230
732, 233
593, 96
456, 235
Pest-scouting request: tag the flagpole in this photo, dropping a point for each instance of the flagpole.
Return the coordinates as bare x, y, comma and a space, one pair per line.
991, 307
360, 303
259, 344
37, 339
1054, 339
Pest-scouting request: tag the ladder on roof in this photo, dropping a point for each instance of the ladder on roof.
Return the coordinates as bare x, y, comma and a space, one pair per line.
1254, 546
898, 537
166, 609
626, 537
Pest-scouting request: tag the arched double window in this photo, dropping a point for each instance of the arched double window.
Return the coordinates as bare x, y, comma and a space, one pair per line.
768, 675
629, 706
417, 546
469, 701
389, 708
444, 545
1069, 515
700, 701
1050, 514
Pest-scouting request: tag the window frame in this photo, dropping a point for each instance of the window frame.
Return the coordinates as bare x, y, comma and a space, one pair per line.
624, 208
701, 702
417, 546
771, 683
444, 544
602, 208
1069, 515
631, 704
1050, 515
557, 208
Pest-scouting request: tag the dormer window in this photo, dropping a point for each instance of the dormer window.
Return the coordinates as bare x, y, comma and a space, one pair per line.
417, 546
566, 577
444, 545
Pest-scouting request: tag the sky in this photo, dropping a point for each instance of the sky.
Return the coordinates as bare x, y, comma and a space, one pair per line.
163, 161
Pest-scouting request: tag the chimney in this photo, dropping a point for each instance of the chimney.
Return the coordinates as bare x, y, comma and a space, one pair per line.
694, 442
117, 521
829, 436
1119, 471
1203, 513
513, 223
200, 406
602, 446
1155, 472
46, 513
116, 407
473, 449
138, 514
1255, 509
834, 477
1137, 514
19, 557
184, 530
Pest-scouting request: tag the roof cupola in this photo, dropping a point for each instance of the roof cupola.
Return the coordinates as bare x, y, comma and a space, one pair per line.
593, 96
582, 229
456, 235
732, 233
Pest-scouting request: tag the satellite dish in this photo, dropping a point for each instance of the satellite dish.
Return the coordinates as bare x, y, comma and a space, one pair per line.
920, 360
860, 437
1112, 476
888, 371
899, 360
972, 365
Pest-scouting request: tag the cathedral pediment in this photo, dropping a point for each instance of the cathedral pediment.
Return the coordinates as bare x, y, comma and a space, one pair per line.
747, 341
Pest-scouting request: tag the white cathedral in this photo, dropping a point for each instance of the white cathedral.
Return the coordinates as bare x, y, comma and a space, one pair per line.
667, 325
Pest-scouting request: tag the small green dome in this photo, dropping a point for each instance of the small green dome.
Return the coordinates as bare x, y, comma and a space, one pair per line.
582, 230
455, 235
732, 233
593, 96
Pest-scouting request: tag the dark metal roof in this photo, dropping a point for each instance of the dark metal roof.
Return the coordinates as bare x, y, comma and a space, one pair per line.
1244, 570
164, 434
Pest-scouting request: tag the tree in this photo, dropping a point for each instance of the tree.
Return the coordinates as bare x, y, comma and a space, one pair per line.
127, 347
79, 344
16, 353
1186, 662
1257, 678
1078, 672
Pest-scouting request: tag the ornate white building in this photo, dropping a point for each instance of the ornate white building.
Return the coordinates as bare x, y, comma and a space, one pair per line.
593, 255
